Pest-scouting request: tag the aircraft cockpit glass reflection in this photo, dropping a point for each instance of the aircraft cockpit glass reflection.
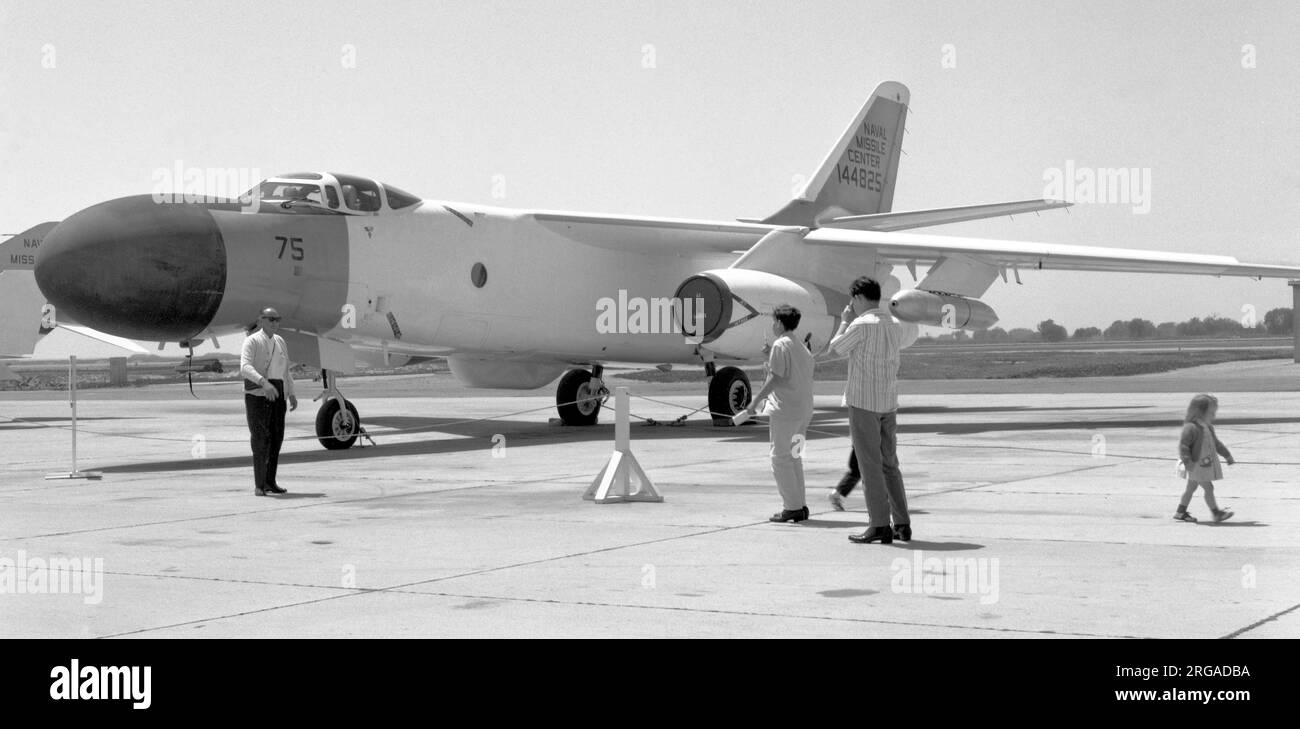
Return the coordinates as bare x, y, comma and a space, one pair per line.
272, 190
360, 194
398, 199
316, 193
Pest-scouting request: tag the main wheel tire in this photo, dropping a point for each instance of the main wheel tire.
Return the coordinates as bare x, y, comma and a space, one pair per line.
336, 427
729, 393
578, 398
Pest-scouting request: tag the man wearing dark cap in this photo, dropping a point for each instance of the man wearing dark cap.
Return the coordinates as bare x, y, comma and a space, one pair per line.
264, 362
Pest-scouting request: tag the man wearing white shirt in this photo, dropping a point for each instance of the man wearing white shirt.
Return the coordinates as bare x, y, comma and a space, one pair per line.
264, 363
871, 338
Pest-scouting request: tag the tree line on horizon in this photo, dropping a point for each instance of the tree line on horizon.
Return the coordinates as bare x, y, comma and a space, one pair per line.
1275, 323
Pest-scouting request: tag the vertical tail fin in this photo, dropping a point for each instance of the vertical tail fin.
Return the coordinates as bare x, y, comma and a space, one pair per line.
21, 302
858, 175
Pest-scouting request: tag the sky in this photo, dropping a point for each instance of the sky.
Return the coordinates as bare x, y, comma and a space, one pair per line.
695, 110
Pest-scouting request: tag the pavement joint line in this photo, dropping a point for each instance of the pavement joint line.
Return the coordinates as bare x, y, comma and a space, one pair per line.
139, 631
1177, 485
1252, 626
1010, 481
464, 488
234, 581
587, 553
1123, 544
703, 611
264, 511
751, 613
400, 587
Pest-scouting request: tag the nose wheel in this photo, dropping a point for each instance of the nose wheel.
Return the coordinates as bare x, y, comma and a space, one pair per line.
338, 424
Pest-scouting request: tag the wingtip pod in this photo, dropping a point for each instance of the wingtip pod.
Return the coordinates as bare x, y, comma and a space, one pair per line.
858, 175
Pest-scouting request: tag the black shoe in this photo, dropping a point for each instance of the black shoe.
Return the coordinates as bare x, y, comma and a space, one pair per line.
883, 534
273, 489
903, 532
259, 492
789, 515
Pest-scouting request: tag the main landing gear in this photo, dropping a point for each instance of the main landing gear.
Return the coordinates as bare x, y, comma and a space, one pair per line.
338, 425
729, 392
581, 394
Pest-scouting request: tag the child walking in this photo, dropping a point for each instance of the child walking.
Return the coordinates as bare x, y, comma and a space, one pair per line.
1199, 450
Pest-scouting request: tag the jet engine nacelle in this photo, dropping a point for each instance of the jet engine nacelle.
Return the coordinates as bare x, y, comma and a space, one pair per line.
942, 310
735, 320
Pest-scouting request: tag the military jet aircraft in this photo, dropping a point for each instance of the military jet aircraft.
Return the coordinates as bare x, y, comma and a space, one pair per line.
515, 298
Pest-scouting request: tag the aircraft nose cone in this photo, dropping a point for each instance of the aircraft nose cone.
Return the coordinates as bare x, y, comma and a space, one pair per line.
135, 268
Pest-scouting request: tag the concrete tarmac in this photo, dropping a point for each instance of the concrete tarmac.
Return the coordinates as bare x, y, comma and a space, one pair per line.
1036, 514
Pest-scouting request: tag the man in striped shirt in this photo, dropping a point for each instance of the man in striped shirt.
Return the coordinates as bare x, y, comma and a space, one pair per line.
871, 338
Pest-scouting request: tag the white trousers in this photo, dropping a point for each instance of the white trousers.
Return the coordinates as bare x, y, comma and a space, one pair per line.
787, 458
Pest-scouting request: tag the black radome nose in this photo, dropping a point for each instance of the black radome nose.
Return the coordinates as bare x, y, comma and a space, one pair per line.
136, 268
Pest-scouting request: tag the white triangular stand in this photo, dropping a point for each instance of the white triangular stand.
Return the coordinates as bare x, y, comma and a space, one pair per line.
615, 482
622, 478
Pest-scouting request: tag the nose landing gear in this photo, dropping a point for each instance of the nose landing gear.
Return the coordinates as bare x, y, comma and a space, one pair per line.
338, 425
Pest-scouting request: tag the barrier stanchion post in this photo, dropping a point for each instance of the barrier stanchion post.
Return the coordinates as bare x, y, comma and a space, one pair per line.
72, 401
622, 478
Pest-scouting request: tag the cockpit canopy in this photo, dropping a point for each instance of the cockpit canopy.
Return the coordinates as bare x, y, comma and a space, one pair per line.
347, 194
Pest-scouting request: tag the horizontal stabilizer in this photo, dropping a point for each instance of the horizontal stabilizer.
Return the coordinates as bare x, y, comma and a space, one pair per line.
126, 345
940, 216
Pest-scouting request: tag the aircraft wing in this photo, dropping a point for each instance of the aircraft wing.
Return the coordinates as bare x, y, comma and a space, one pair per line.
667, 234
833, 257
940, 216
636, 233
903, 248
968, 266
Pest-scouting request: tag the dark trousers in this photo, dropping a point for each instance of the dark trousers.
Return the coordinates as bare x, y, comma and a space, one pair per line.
851, 478
266, 433
875, 442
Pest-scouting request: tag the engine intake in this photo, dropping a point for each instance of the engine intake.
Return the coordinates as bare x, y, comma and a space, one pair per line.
735, 317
